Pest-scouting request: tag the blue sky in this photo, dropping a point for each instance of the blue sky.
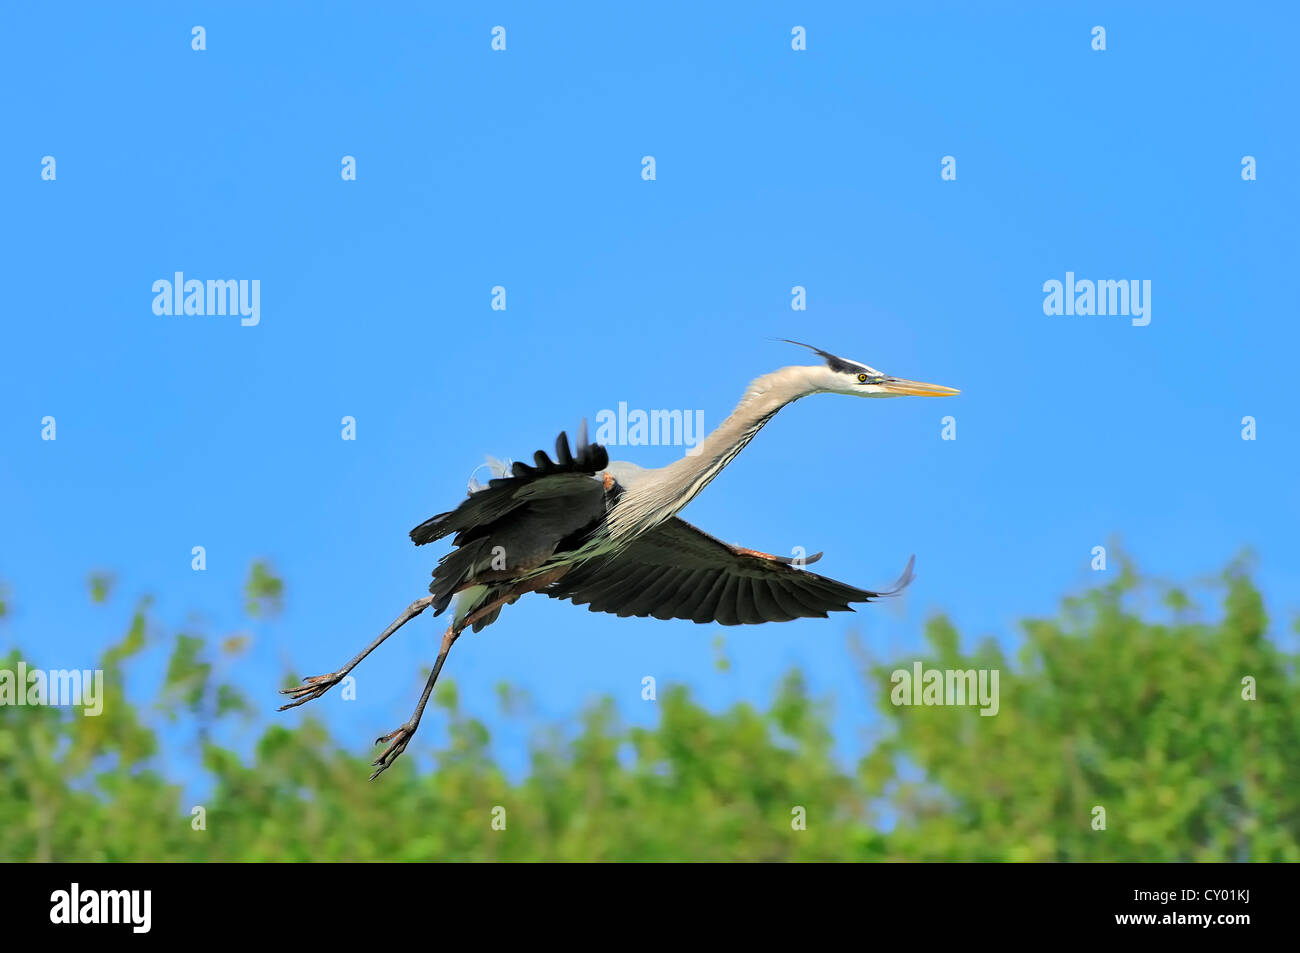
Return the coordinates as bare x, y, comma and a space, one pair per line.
522, 169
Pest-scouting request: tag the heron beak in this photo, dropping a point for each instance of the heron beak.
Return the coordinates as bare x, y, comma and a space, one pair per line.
899, 385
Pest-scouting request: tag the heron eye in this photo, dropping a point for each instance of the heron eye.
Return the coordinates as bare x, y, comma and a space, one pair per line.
862, 378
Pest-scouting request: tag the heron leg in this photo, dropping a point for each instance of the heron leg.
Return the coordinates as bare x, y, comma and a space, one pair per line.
399, 739
318, 685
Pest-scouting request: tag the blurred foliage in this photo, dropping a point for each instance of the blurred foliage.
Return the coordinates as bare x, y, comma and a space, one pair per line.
101, 586
263, 592
1100, 708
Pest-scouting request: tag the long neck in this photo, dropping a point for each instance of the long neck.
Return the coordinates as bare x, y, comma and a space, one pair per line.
663, 492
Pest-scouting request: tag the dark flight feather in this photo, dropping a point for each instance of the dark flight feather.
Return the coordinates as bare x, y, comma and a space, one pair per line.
712, 582
524, 518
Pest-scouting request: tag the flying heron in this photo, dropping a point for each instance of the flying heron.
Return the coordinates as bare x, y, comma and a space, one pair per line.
606, 534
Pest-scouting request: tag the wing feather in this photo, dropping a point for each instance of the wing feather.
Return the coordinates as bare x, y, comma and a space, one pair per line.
680, 572
527, 517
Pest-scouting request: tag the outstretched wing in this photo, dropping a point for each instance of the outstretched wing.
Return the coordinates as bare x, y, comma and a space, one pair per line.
518, 522
676, 571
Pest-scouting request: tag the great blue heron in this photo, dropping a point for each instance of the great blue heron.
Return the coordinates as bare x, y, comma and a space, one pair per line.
606, 534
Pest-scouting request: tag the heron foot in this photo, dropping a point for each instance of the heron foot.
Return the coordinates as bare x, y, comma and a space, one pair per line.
397, 742
313, 687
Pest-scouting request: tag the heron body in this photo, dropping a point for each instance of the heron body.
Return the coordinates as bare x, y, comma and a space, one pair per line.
606, 534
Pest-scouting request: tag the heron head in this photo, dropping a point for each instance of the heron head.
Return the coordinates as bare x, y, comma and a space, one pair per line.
842, 376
